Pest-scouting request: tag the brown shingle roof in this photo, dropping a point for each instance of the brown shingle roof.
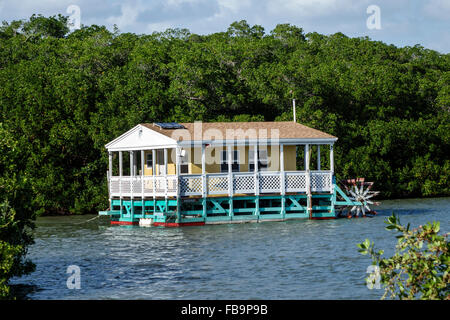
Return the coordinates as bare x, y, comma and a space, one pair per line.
286, 129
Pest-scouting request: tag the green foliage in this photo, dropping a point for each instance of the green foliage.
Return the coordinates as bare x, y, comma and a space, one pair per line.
63, 96
8, 252
420, 267
16, 212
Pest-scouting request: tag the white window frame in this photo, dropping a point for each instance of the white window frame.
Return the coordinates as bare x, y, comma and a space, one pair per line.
236, 161
263, 159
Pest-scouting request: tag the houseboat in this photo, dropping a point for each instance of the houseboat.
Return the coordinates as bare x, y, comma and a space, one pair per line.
181, 174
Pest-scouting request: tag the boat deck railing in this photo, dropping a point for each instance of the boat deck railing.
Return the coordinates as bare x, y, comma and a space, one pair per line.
252, 183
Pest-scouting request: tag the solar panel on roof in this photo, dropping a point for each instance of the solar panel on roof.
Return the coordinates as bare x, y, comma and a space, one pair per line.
169, 125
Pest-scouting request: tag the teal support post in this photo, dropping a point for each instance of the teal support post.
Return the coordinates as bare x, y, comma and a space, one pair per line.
230, 208
257, 206
178, 210
204, 207
309, 206
143, 208
283, 207
333, 196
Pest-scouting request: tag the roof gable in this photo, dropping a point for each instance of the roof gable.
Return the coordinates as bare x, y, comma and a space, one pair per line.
140, 138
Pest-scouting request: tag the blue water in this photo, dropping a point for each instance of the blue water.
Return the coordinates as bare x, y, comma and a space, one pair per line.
299, 259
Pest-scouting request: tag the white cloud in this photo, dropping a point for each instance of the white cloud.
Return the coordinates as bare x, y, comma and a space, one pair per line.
129, 14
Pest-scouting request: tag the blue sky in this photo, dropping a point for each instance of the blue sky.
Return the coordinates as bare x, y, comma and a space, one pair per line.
403, 22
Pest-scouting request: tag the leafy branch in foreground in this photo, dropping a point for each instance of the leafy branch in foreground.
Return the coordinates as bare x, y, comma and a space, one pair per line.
419, 269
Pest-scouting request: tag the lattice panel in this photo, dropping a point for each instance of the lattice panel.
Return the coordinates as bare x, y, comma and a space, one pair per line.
320, 182
172, 184
160, 184
244, 184
148, 185
125, 186
114, 186
218, 185
136, 185
191, 185
295, 183
269, 183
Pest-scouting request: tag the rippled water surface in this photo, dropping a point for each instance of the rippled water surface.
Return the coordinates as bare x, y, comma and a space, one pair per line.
299, 259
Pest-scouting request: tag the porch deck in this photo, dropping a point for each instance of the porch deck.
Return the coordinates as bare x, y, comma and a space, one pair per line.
217, 184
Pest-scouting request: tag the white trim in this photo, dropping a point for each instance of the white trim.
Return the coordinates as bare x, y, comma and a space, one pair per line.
214, 143
251, 159
164, 141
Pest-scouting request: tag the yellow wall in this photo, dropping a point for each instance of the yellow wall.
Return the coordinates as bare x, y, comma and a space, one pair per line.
290, 158
213, 159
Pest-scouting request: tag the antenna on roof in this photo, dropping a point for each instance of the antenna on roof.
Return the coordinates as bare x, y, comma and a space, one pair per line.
293, 107
293, 104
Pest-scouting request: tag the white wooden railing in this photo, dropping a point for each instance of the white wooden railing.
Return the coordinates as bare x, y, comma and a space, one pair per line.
219, 184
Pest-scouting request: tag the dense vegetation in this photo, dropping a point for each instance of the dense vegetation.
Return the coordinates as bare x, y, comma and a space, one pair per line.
64, 95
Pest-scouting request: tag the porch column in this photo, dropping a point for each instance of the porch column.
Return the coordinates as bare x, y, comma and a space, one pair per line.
204, 182
131, 183
154, 174
256, 168
120, 163
307, 155
282, 176
308, 180
109, 175
304, 156
331, 159
318, 157
203, 171
142, 180
110, 164
120, 172
165, 172
120, 180
135, 173
230, 169
177, 172
256, 179
131, 163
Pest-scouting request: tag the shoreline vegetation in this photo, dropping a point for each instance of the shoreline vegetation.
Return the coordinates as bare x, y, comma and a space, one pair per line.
63, 95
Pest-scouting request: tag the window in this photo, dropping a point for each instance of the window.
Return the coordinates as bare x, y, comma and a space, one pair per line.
263, 160
224, 161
